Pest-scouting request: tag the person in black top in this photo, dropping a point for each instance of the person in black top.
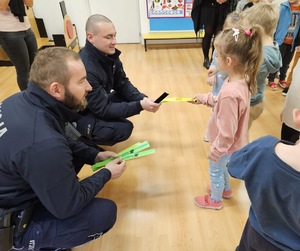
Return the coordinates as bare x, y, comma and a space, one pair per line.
211, 15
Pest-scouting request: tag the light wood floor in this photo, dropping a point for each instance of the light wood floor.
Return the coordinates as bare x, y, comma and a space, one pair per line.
155, 195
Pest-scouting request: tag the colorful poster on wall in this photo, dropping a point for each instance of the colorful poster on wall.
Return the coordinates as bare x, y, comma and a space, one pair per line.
188, 8
166, 8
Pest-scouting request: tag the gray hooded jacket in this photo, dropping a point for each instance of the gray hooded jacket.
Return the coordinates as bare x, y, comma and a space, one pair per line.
271, 64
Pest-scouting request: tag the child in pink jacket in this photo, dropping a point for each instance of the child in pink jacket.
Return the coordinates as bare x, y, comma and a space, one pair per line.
239, 54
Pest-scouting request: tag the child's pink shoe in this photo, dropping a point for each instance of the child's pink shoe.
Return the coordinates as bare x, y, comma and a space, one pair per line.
206, 202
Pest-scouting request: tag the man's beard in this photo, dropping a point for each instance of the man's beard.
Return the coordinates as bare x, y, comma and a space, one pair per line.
72, 102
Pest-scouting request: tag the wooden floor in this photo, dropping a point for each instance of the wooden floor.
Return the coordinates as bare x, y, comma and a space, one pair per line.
155, 195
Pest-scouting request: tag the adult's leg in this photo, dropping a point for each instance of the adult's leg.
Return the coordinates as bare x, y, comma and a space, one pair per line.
46, 231
32, 47
104, 132
208, 19
15, 46
110, 132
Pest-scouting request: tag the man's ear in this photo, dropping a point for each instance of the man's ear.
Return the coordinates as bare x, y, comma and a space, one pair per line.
57, 91
89, 37
296, 117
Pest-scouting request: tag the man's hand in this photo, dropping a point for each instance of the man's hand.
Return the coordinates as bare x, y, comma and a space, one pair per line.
149, 105
105, 155
116, 168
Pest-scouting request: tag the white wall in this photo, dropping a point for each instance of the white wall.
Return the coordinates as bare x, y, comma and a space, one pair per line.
125, 16
51, 15
145, 28
79, 11
79, 17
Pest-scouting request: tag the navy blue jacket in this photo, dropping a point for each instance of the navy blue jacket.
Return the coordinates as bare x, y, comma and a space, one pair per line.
105, 73
36, 157
273, 188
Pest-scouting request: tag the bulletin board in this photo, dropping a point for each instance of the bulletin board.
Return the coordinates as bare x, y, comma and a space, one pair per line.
169, 8
170, 15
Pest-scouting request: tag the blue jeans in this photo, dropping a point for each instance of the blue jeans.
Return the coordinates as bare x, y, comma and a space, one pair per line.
21, 48
219, 177
48, 232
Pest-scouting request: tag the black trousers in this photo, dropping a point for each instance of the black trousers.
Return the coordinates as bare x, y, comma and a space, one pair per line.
105, 132
213, 16
20, 47
287, 55
289, 134
252, 241
47, 232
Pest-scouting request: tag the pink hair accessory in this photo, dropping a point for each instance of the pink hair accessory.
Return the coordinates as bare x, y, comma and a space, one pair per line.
248, 32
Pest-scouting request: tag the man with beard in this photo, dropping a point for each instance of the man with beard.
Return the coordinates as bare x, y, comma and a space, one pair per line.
42, 202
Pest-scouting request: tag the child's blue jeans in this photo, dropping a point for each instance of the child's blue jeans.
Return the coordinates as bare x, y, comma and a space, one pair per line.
219, 177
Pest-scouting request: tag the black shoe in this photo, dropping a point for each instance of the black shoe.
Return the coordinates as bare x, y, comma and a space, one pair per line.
206, 63
285, 91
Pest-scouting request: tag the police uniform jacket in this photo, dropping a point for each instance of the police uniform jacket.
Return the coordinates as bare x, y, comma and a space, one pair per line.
105, 74
36, 157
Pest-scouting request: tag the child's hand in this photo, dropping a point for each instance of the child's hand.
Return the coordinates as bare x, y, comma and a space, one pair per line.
204, 99
197, 99
297, 48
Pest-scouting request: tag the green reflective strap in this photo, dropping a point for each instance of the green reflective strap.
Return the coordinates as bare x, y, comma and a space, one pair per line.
102, 163
128, 148
135, 149
139, 154
130, 151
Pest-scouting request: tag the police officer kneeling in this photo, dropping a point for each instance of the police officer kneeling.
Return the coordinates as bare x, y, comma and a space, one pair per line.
43, 205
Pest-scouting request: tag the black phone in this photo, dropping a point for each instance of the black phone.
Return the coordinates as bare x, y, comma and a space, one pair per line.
161, 97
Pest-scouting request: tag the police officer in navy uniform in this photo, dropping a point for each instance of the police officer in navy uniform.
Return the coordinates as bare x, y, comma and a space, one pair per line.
41, 198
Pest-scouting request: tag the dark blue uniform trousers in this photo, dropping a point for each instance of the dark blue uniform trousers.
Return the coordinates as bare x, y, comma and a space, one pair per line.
107, 132
46, 232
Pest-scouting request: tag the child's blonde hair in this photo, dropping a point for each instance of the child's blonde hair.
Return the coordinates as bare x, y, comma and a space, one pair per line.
245, 48
232, 19
264, 14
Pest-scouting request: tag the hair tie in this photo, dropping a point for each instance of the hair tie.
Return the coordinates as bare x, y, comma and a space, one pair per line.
236, 33
248, 32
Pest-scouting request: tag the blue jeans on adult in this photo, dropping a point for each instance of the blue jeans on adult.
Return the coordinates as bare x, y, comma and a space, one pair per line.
219, 177
21, 48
